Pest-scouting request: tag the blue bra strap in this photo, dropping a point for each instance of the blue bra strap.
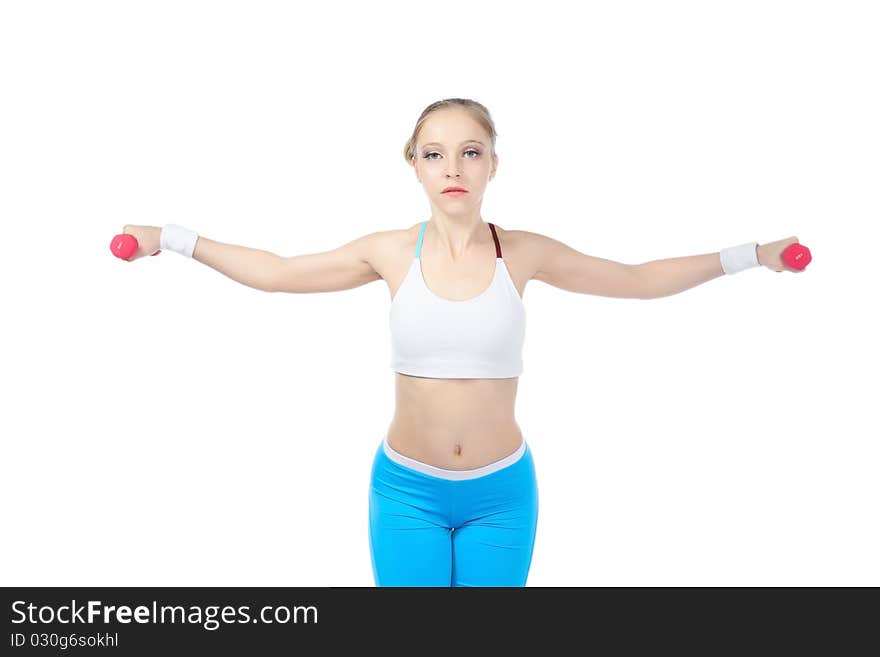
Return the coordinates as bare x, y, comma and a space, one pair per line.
421, 235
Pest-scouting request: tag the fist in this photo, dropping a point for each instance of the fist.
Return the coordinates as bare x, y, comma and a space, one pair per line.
147, 238
770, 255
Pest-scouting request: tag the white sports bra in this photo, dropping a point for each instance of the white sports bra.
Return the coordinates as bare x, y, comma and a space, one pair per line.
477, 338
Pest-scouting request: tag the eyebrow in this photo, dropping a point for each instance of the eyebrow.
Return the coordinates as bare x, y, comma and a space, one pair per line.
467, 141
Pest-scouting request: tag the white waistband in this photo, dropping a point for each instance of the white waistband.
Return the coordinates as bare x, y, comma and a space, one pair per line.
408, 462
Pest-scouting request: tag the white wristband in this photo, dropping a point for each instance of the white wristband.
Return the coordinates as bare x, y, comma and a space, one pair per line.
178, 239
736, 258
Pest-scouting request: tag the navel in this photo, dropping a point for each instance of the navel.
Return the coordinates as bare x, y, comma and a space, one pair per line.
457, 449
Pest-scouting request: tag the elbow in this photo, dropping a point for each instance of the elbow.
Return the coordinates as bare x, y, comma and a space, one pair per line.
652, 282
642, 285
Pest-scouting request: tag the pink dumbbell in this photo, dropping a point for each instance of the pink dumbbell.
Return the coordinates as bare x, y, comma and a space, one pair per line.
124, 246
796, 256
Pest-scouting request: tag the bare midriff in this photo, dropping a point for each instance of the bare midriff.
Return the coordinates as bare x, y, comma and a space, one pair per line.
455, 424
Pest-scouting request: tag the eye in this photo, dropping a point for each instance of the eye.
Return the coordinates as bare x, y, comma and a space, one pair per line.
427, 156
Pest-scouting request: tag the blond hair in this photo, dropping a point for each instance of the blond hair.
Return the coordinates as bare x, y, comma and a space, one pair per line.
477, 110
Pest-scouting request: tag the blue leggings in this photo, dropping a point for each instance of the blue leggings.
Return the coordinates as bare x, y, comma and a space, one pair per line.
435, 527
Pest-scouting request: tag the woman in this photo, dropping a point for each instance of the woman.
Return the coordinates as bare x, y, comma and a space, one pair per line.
453, 497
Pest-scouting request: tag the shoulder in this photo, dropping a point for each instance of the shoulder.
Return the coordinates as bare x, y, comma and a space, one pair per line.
381, 240
537, 253
524, 248
385, 242
385, 249
517, 239
534, 247
525, 238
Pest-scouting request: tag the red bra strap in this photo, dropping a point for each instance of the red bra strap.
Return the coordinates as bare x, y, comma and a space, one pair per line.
497, 243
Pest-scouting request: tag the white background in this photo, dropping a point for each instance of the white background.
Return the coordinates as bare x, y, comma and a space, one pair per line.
164, 425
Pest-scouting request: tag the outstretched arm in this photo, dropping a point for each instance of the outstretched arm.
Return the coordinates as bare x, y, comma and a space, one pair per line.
342, 268
252, 267
345, 267
560, 265
348, 266
662, 278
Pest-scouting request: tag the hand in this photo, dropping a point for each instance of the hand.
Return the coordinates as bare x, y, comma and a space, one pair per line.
147, 237
770, 255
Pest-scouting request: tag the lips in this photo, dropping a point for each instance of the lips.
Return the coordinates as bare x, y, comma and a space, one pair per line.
454, 189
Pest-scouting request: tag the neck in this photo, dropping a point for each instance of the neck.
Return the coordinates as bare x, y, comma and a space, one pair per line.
458, 235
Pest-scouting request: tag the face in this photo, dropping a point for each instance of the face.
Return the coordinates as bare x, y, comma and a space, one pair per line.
452, 149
